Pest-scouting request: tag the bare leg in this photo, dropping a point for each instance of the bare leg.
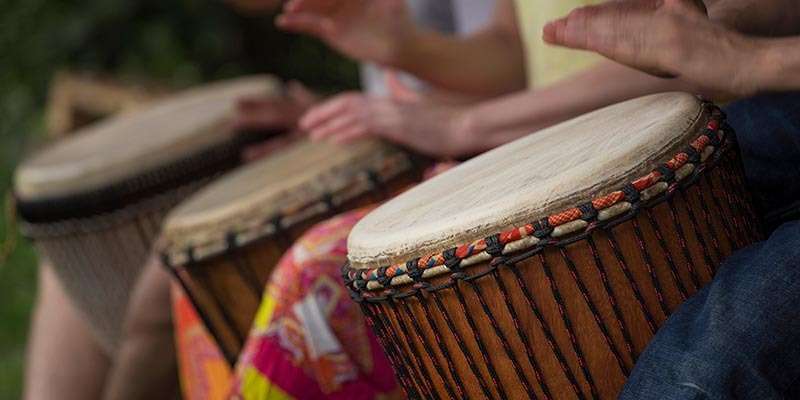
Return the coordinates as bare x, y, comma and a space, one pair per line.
145, 366
64, 361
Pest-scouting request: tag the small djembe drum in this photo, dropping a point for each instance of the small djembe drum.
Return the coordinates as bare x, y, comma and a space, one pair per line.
223, 243
542, 268
93, 202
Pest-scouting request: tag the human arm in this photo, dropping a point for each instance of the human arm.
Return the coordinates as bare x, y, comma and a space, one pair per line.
145, 365
757, 17
675, 38
488, 62
272, 114
457, 130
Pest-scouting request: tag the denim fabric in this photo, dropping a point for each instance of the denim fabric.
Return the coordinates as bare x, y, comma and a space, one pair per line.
768, 130
739, 337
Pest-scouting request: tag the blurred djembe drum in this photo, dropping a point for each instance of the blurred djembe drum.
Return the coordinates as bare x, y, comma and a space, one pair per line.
222, 243
542, 268
93, 201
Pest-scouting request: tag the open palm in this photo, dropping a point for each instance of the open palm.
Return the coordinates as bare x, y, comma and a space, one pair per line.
371, 30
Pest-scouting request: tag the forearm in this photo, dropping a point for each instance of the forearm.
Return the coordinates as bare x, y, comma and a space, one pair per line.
145, 364
757, 17
490, 62
777, 64
499, 121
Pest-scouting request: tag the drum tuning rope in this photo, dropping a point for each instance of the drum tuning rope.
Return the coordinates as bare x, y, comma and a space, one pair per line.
10, 241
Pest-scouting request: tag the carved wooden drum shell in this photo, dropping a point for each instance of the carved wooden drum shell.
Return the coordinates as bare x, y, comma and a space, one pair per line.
560, 307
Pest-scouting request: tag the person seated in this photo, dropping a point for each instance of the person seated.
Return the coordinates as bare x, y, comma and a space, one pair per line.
739, 337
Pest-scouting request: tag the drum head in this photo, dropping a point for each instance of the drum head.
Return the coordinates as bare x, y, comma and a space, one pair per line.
284, 188
122, 147
521, 182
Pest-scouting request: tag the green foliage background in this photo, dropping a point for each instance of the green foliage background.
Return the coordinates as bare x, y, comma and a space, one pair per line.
178, 42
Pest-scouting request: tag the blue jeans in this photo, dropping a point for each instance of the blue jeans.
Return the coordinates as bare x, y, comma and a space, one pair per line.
739, 337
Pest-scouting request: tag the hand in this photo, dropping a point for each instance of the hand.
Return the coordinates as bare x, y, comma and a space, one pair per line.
371, 30
433, 129
273, 113
667, 38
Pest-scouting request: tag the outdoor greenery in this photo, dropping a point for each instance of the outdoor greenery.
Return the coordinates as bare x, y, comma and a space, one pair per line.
177, 43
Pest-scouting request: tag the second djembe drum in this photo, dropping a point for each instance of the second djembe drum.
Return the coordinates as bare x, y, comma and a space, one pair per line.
543, 268
94, 201
223, 242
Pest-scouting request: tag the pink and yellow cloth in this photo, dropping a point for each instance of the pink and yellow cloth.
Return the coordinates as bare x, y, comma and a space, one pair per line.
309, 339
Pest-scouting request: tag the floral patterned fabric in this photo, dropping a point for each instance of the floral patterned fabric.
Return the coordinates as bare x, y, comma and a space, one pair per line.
204, 373
309, 339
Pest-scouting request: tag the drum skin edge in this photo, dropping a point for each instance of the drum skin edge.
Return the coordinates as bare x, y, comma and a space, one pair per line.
251, 256
557, 229
405, 302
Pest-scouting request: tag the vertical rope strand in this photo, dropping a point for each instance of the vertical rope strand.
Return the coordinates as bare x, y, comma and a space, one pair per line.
623, 326
423, 369
481, 346
442, 347
698, 233
382, 334
548, 333
637, 293
562, 311
461, 345
426, 346
595, 313
525, 342
506, 346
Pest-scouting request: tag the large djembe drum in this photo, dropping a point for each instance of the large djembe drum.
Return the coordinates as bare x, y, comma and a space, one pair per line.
542, 268
93, 202
222, 243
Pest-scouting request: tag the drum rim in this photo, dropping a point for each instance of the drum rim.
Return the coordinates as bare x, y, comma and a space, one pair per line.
401, 163
700, 154
138, 189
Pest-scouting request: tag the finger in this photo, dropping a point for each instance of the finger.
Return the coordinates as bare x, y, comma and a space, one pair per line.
306, 23
327, 110
575, 29
320, 6
334, 126
350, 134
629, 33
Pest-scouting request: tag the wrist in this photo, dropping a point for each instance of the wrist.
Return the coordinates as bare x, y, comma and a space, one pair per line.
776, 64
408, 48
465, 131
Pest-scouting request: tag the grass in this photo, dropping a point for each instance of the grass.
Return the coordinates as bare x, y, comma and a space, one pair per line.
17, 285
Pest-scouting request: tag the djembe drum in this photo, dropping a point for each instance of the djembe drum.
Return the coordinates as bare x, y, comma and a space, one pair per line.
222, 243
543, 268
93, 202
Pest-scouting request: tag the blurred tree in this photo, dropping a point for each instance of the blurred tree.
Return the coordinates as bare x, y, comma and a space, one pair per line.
179, 42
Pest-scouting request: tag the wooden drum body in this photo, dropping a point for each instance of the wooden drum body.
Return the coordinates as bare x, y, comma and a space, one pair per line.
558, 308
93, 202
223, 243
